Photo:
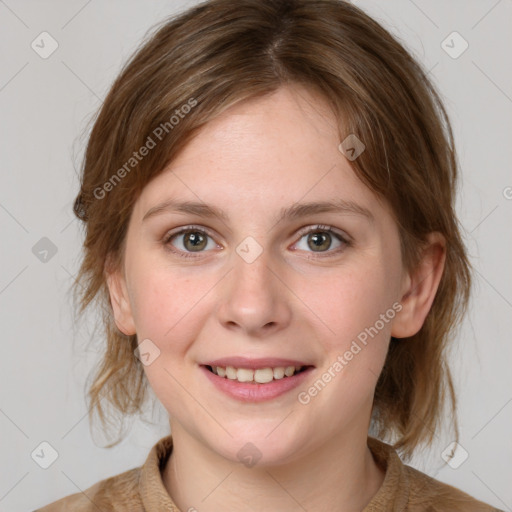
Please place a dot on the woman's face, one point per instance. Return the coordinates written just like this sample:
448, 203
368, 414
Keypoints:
256, 289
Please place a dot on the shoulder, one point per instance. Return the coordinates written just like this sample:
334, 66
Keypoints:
430, 495
410, 490
115, 494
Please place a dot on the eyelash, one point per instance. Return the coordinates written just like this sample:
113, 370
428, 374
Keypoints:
319, 228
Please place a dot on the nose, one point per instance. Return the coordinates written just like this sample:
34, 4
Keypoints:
254, 298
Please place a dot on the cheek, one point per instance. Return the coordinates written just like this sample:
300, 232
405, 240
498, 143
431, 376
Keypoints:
352, 302
160, 298
358, 309
167, 307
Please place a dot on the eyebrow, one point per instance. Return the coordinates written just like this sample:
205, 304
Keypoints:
292, 212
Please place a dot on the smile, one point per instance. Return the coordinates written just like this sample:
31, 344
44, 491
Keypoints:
257, 376
268, 379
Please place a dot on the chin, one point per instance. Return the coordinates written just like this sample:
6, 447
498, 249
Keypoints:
257, 446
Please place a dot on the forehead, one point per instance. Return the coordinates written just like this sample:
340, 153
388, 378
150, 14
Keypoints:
275, 150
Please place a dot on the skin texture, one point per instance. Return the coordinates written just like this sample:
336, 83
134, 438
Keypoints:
292, 301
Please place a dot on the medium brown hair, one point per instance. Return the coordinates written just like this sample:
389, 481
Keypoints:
222, 52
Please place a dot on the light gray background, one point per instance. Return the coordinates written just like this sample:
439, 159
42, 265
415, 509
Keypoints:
45, 105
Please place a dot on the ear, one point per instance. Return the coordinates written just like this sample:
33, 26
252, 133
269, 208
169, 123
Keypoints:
420, 287
119, 298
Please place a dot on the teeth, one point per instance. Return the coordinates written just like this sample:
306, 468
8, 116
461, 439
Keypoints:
230, 372
278, 372
260, 376
244, 375
289, 371
263, 375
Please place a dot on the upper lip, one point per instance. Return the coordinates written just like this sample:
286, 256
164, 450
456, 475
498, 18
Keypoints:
254, 364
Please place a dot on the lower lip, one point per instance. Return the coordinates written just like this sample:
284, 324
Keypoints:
249, 392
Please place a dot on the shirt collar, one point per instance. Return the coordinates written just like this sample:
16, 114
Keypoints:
153, 493
392, 495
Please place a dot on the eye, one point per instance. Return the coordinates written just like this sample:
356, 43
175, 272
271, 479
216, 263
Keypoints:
320, 238
193, 239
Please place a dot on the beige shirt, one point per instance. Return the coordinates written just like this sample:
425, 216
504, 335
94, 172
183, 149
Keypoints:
141, 489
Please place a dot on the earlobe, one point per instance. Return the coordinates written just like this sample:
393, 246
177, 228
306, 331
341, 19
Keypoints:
120, 302
420, 288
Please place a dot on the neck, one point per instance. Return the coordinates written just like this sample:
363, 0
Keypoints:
339, 474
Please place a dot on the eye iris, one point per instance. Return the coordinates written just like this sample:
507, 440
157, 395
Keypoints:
321, 238
196, 238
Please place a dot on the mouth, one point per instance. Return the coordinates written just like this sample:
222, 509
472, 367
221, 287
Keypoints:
256, 381
262, 375
249, 379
